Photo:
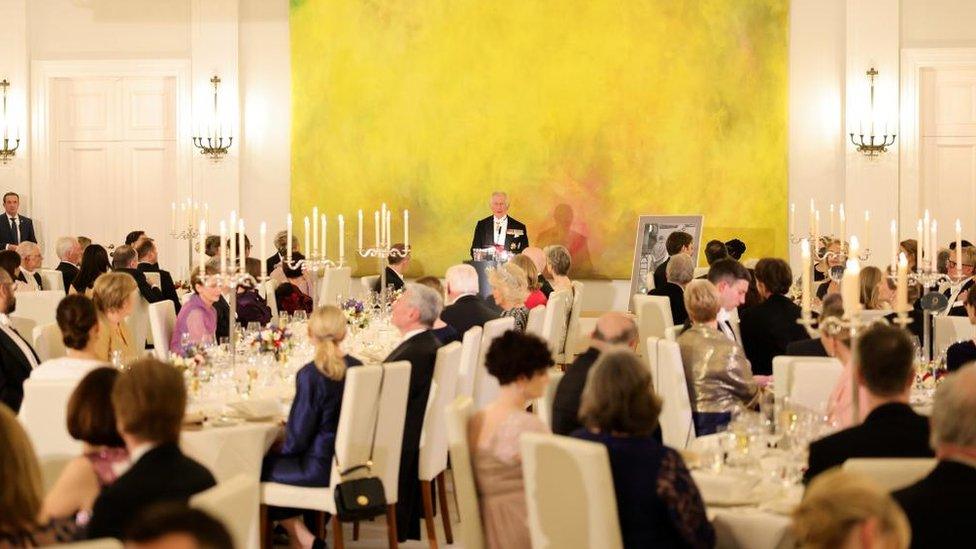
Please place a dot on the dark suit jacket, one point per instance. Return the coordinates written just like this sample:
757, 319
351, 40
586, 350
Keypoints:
566, 403
392, 280
15, 368
161, 474
467, 312
421, 351
940, 507
661, 273
676, 296
68, 273
890, 430
223, 318
26, 231
958, 310
806, 347
516, 237
151, 293
767, 328
37, 278
272, 262
545, 286
165, 282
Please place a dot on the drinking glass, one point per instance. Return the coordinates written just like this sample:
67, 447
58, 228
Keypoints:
253, 327
300, 316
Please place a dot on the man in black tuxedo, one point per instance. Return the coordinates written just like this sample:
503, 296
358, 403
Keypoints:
398, 265
149, 400
30, 262
956, 294
124, 260
148, 256
413, 315
499, 230
14, 228
466, 309
833, 306
678, 242
767, 328
611, 329
680, 272
17, 358
941, 506
69, 253
892, 429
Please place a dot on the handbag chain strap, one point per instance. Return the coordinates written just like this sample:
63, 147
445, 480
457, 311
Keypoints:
372, 443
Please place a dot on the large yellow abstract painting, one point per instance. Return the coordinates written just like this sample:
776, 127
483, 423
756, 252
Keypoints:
588, 113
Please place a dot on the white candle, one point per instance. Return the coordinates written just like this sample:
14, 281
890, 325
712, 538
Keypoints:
240, 246
307, 231
959, 247
933, 246
894, 245
384, 238
843, 223
920, 250
182, 220
223, 247
854, 250
288, 255
201, 246
233, 240
325, 234
831, 215
805, 276
360, 230
376, 227
264, 265
196, 214
850, 289
816, 230
813, 209
924, 243
389, 224
206, 213
901, 295
173, 223
342, 235
792, 218
406, 229
315, 233
867, 230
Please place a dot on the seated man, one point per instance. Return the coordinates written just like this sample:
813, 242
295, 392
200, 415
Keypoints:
30, 262
398, 266
940, 507
769, 326
17, 358
679, 242
466, 309
817, 346
125, 260
612, 329
69, 253
149, 263
149, 400
884, 357
680, 271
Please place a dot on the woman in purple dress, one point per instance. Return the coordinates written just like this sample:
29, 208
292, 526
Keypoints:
197, 321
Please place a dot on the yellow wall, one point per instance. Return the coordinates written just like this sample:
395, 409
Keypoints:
588, 112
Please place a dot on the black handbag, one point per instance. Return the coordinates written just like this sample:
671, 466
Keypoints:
362, 498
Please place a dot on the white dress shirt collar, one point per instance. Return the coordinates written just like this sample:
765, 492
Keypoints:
724, 319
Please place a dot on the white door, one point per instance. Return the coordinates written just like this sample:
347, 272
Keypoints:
114, 167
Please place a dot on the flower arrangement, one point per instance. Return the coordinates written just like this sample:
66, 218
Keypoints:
191, 358
355, 311
275, 340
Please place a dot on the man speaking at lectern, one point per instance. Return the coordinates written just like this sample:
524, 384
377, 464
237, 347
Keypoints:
499, 230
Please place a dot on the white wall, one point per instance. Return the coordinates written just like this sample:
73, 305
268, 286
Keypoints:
938, 23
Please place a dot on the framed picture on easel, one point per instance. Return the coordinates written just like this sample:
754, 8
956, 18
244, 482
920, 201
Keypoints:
649, 248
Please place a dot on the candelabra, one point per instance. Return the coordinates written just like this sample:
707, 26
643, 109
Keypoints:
314, 267
212, 144
6, 151
843, 255
873, 145
188, 233
230, 281
383, 252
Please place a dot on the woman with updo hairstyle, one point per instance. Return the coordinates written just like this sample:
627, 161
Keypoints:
841, 510
520, 362
91, 420
78, 322
114, 297
509, 288
657, 501
305, 456
94, 263
294, 292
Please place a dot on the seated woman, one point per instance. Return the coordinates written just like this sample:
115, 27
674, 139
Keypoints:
444, 333
520, 362
841, 509
657, 500
509, 288
838, 345
251, 307
877, 290
22, 521
960, 353
305, 458
558, 262
10, 261
78, 322
718, 374
94, 263
294, 293
114, 297
910, 249
830, 284
91, 420
197, 322
536, 297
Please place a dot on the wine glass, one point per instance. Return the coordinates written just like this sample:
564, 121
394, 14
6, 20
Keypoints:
300, 316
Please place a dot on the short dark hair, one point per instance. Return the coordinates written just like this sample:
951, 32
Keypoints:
885, 359
618, 396
211, 245
735, 248
9, 261
715, 250
146, 245
122, 257
775, 274
515, 355
91, 417
163, 519
965, 244
10, 193
396, 259
76, 316
131, 238
678, 240
728, 270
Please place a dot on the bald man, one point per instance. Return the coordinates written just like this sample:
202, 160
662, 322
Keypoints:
538, 257
612, 329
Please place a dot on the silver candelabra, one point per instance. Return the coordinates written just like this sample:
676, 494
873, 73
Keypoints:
190, 234
231, 280
816, 256
383, 252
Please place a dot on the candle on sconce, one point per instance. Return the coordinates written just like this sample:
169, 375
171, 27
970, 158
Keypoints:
325, 234
901, 294
182, 219
342, 235
384, 236
816, 231
924, 243
805, 297
376, 227
406, 229
264, 265
389, 225
850, 289
813, 210
288, 254
959, 246
854, 249
360, 230
201, 248
307, 235
792, 218
223, 247
233, 239
315, 234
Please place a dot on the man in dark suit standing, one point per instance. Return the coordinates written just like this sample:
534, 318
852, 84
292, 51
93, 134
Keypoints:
466, 309
149, 400
892, 429
15, 228
17, 358
148, 256
69, 253
499, 230
414, 313
767, 328
124, 260
680, 272
398, 265
678, 242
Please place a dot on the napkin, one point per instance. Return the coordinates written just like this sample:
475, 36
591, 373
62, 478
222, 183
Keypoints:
256, 409
724, 488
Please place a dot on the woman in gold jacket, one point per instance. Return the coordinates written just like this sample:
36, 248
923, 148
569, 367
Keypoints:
114, 296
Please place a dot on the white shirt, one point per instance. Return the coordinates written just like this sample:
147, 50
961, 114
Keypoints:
66, 368
21, 343
16, 219
31, 281
724, 319
499, 229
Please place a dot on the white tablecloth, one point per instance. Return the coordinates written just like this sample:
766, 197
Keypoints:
749, 528
228, 451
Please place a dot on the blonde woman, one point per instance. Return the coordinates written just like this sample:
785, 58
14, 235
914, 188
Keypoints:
509, 288
876, 291
843, 510
305, 457
22, 523
114, 296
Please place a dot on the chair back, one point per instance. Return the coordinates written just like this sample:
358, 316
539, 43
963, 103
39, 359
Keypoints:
653, 315
470, 353
892, 473
806, 380
556, 321
43, 415
543, 405
270, 286
433, 438
51, 279
569, 493
334, 284
485, 384
948, 330
368, 282
41, 307
48, 343
234, 503
162, 322
573, 336
138, 323
537, 317
458, 414
677, 427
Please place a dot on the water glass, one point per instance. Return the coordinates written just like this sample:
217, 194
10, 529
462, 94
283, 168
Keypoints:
253, 327
300, 316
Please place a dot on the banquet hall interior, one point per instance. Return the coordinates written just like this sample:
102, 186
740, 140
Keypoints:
487, 274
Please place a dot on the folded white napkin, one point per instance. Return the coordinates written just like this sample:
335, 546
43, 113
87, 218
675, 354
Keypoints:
725, 488
258, 408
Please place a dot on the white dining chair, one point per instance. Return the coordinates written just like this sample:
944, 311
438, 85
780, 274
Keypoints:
892, 473
472, 532
367, 283
138, 323
162, 322
470, 353
335, 284
537, 317
24, 327
51, 279
234, 503
51, 468
41, 306
569, 493
542, 406
556, 322
433, 440
574, 337
807, 381
48, 342
677, 425
486, 385
43, 414
949, 330
653, 316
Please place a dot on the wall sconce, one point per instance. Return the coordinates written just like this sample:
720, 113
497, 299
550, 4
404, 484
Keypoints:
872, 145
211, 140
10, 135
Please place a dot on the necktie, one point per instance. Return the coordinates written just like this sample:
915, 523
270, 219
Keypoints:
13, 231
728, 329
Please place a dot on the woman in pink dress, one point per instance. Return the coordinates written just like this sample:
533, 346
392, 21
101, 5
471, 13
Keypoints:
839, 403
